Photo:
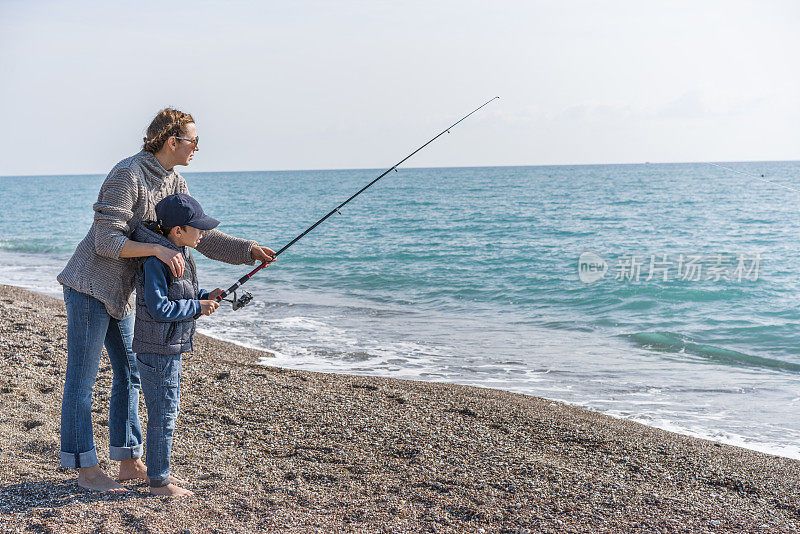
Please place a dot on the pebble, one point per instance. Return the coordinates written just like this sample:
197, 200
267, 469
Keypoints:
557, 469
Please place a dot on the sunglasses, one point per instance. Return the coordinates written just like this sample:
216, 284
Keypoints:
193, 141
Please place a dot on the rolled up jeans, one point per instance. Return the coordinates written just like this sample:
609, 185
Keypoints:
89, 328
161, 385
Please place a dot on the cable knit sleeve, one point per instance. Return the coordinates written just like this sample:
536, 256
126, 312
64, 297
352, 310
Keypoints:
218, 245
113, 212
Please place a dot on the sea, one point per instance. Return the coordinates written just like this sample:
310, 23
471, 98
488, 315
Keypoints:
667, 294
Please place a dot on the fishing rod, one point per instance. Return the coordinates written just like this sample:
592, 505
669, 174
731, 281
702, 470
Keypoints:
752, 175
240, 302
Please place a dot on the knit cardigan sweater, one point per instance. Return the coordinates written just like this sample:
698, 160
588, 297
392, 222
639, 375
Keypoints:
127, 197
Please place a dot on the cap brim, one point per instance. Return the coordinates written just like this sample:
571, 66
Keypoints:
204, 223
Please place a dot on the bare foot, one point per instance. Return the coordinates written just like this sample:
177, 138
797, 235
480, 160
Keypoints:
171, 490
132, 469
93, 478
135, 469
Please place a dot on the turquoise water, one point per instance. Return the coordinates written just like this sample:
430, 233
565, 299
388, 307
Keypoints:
470, 275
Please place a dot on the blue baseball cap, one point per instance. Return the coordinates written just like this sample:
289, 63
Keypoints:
180, 209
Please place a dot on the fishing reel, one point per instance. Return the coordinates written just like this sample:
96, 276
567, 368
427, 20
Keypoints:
240, 302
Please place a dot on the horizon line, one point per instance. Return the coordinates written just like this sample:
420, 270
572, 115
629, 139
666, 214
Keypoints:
418, 168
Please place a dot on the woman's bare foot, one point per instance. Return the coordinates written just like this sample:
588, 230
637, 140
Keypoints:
131, 469
171, 490
93, 478
135, 469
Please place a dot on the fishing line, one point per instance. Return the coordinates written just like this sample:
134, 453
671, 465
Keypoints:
247, 297
757, 177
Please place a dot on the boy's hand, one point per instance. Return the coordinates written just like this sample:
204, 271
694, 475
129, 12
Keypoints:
207, 307
214, 294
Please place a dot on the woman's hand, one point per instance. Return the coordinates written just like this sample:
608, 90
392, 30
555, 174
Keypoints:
172, 258
207, 307
262, 254
214, 294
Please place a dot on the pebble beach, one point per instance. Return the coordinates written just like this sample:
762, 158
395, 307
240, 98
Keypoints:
273, 450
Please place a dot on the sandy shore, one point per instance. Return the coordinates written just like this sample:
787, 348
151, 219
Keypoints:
274, 450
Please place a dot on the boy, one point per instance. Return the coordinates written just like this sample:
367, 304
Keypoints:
164, 327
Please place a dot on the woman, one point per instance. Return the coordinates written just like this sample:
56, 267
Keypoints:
98, 282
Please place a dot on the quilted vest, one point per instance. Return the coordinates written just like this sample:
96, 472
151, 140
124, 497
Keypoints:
160, 337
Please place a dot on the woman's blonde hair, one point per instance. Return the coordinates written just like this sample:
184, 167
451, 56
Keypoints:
167, 122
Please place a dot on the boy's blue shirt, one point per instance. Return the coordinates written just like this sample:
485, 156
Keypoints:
156, 297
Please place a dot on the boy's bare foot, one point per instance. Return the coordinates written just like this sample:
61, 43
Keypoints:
135, 469
171, 490
93, 478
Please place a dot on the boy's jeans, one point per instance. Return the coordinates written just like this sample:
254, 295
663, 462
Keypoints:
89, 327
161, 384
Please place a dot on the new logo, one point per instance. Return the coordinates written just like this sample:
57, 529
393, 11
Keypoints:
591, 267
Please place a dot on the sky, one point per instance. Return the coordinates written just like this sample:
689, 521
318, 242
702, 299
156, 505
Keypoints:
360, 84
